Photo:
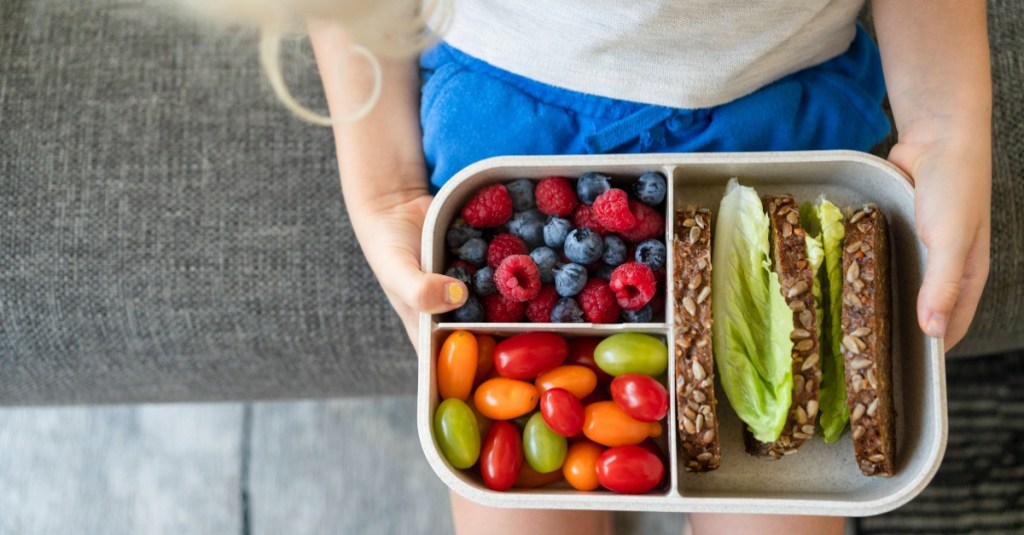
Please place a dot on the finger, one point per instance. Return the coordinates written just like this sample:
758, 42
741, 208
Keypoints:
971, 287
941, 288
423, 292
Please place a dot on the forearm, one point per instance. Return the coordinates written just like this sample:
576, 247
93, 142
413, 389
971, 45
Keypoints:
935, 55
380, 156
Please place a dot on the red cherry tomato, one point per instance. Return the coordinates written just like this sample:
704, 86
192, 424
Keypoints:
562, 412
527, 355
502, 456
629, 470
530, 478
581, 351
640, 396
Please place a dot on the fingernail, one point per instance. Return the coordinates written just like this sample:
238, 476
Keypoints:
454, 293
936, 326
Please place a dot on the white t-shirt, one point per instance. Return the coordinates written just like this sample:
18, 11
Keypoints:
681, 53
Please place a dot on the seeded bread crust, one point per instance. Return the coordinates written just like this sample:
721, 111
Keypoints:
789, 254
866, 341
695, 390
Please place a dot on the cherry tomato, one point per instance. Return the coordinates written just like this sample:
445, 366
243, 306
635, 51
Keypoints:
640, 396
456, 365
580, 380
580, 468
530, 478
600, 394
629, 470
502, 456
632, 353
527, 355
482, 422
485, 357
607, 424
581, 351
456, 433
562, 412
505, 399
544, 449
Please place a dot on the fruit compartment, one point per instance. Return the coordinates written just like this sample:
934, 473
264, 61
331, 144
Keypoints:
821, 478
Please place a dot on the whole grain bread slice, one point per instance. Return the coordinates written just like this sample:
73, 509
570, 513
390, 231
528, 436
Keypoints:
789, 255
866, 341
695, 388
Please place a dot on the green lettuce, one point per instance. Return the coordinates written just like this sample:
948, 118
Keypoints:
752, 322
826, 222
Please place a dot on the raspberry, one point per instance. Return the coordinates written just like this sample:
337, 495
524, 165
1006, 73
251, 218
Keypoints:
499, 309
649, 223
555, 196
538, 309
584, 217
598, 302
502, 246
613, 211
633, 284
518, 278
490, 207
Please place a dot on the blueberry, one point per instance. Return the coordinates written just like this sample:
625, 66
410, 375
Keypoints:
460, 273
521, 192
643, 315
483, 281
473, 251
651, 188
570, 279
604, 271
470, 311
545, 258
459, 233
583, 246
590, 185
529, 226
567, 310
555, 231
651, 252
615, 251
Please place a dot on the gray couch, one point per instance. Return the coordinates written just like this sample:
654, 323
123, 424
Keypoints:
168, 231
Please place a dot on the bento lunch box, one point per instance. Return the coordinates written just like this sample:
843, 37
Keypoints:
821, 479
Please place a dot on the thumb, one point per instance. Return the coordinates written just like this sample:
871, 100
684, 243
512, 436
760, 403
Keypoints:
940, 290
424, 292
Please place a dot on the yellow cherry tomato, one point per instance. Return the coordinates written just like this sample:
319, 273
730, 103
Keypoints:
505, 399
456, 365
579, 380
605, 423
580, 468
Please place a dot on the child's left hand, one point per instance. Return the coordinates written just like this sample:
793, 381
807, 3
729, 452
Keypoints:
953, 181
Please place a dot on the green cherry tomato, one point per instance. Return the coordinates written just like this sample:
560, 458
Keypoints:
632, 353
544, 449
457, 432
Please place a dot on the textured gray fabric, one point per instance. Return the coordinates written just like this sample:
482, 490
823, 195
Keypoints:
168, 231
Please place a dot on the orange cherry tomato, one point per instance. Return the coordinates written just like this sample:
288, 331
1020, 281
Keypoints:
505, 399
485, 357
530, 478
580, 468
456, 365
579, 380
605, 423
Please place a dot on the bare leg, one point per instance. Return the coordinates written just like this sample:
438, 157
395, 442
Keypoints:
713, 524
471, 518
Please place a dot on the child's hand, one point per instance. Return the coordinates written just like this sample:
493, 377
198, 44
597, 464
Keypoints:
953, 181
391, 240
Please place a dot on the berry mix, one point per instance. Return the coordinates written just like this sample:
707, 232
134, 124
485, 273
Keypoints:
536, 408
561, 250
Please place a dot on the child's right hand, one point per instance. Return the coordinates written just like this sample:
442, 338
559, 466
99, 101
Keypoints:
390, 234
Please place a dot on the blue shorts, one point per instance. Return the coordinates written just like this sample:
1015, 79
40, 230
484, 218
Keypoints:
471, 110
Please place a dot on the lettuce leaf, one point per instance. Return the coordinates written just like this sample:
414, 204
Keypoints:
826, 221
752, 323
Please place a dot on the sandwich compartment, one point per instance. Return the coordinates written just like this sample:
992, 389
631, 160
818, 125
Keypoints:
821, 478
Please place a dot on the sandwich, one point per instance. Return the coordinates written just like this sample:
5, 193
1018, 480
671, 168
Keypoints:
798, 327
